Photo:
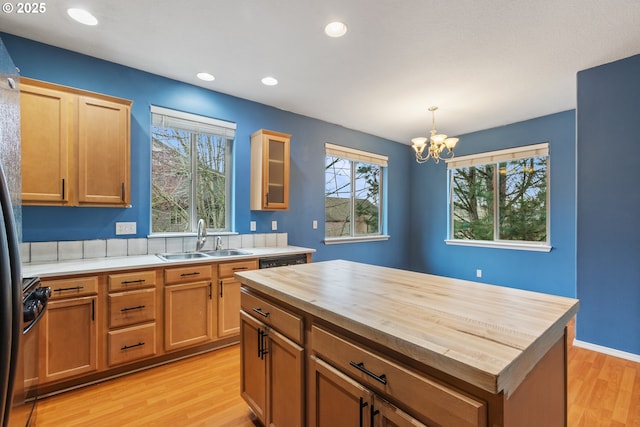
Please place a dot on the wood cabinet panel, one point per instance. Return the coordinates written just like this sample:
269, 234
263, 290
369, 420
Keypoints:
103, 152
187, 274
269, 170
75, 146
132, 280
433, 400
188, 314
46, 147
227, 269
129, 344
287, 323
68, 343
72, 287
228, 307
131, 307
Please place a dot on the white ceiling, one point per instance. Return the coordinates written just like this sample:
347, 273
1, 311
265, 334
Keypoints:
485, 63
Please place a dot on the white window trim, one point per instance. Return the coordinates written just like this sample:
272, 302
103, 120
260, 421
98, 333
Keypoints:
356, 239
499, 156
522, 246
353, 154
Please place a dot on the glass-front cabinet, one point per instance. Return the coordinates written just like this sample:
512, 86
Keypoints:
269, 170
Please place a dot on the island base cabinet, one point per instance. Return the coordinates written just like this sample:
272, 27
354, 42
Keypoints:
337, 400
272, 380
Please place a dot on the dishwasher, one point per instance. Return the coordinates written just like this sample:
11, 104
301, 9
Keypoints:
282, 260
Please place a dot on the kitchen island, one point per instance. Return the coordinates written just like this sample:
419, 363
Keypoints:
369, 344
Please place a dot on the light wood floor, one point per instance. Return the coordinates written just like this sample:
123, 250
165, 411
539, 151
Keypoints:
205, 391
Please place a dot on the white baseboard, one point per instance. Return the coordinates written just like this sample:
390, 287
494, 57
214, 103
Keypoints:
606, 350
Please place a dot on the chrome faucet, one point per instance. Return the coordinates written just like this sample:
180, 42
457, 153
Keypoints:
218, 243
201, 237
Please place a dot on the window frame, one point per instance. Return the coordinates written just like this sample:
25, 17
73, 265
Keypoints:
495, 158
226, 127
359, 156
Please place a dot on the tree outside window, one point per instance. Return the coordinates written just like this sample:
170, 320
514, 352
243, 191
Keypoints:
501, 201
352, 198
190, 173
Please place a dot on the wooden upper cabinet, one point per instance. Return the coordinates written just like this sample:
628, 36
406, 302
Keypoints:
75, 146
269, 170
103, 152
46, 117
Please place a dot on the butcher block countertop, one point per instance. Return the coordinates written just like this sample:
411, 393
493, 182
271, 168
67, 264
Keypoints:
489, 336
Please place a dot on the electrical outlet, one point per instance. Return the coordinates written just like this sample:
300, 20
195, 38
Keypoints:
125, 228
252, 226
314, 225
274, 225
478, 273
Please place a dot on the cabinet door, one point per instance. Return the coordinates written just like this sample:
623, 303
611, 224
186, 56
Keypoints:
69, 340
337, 400
253, 368
228, 307
188, 314
387, 415
103, 152
276, 177
45, 118
285, 382
269, 170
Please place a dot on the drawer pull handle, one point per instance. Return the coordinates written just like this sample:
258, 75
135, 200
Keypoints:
125, 309
129, 282
240, 268
260, 312
75, 288
360, 366
127, 347
195, 273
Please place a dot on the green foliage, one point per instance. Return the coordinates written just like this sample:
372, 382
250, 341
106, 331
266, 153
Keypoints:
521, 191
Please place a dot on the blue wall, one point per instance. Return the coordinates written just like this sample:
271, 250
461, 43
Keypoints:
44, 62
608, 255
551, 272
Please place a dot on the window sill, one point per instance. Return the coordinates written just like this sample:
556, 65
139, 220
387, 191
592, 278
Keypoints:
520, 246
210, 232
350, 239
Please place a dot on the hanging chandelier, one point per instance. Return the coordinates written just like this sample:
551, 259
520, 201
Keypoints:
437, 144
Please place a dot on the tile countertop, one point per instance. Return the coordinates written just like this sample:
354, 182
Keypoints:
97, 265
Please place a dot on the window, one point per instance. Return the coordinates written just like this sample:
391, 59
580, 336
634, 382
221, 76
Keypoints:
190, 171
501, 198
353, 194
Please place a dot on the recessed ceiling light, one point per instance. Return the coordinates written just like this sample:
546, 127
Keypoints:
335, 29
269, 81
206, 77
82, 16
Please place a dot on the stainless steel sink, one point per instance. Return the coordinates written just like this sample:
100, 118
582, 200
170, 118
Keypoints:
226, 252
182, 256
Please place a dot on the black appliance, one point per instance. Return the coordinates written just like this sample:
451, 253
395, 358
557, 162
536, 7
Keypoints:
279, 261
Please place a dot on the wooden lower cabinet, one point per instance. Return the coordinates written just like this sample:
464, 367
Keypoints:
69, 344
188, 314
340, 401
229, 296
272, 380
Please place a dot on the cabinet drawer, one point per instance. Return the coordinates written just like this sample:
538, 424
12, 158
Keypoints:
193, 273
75, 287
126, 345
128, 308
226, 269
133, 280
436, 402
284, 322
